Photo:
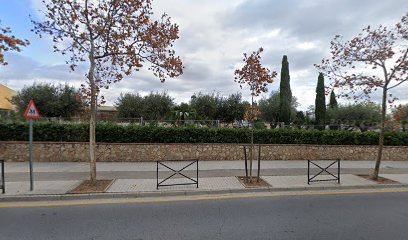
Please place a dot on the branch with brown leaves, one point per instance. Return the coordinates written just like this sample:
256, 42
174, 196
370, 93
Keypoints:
254, 74
121, 36
9, 42
376, 58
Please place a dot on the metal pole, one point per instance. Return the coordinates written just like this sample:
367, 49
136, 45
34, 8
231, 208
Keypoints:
246, 164
30, 154
2, 177
338, 170
197, 173
251, 151
259, 163
157, 174
308, 171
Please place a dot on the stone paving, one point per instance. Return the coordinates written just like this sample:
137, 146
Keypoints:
301, 181
205, 184
149, 185
294, 177
203, 165
402, 178
40, 187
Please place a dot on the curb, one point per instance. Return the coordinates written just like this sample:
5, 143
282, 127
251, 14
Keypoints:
120, 195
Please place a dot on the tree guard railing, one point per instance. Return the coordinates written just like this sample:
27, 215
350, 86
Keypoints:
3, 183
166, 164
333, 177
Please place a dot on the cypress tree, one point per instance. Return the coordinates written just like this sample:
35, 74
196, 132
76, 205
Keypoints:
333, 101
285, 92
320, 102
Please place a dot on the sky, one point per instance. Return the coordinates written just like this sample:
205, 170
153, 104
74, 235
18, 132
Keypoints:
214, 34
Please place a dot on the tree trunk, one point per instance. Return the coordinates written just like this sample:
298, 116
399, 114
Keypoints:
92, 137
381, 138
251, 151
251, 157
91, 78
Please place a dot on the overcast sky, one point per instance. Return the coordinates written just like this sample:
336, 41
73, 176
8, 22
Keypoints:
213, 36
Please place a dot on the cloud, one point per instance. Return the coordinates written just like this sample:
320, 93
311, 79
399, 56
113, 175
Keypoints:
314, 19
24, 71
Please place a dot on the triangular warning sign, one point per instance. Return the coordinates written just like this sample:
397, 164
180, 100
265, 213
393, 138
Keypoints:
31, 111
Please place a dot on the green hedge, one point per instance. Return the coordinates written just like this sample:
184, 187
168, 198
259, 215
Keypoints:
134, 134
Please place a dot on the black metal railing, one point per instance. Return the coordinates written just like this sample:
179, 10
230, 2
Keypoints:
166, 163
3, 183
332, 177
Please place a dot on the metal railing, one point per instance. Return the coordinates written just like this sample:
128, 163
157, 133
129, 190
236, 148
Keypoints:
332, 176
191, 181
3, 183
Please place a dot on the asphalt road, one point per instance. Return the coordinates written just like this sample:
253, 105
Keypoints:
352, 216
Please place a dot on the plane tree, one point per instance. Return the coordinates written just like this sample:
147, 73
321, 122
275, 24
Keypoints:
376, 59
257, 77
8, 42
115, 39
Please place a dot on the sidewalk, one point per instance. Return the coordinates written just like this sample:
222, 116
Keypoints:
137, 179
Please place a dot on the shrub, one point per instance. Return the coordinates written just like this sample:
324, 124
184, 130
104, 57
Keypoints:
111, 133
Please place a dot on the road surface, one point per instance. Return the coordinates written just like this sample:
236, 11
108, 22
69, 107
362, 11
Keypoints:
321, 216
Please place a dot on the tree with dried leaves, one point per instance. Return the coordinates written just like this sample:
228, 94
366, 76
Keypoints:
115, 38
400, 115
375, 59
257, 78
9, 42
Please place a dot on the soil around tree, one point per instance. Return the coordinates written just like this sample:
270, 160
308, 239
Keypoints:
100, 186
254, 183
381, 180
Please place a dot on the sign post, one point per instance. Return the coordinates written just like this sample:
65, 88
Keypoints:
30, 154
31, 113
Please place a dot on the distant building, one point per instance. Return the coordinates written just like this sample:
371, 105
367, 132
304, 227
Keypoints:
107, 113
5, 96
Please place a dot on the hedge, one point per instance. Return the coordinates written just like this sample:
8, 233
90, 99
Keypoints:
111, 133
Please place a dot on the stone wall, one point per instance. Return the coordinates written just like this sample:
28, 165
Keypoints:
110, 152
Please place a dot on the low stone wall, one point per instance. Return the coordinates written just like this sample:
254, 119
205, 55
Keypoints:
134, 152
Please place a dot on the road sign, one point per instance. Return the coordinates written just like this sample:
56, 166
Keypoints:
31, 111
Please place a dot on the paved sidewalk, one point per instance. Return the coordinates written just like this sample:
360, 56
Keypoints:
15, 167
16, 172
137, 179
